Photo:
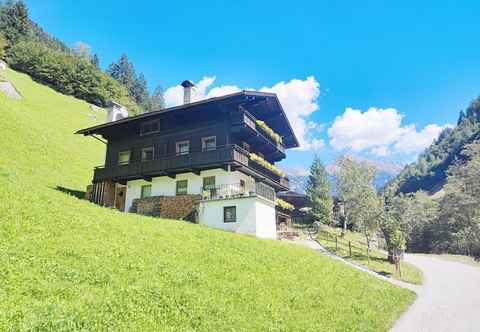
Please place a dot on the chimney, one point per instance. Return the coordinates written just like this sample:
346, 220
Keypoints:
187, 91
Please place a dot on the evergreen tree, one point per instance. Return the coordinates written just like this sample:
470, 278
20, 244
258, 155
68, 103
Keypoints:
140, 91
123, 71
14, 22
319, 191
157, 101
95, 61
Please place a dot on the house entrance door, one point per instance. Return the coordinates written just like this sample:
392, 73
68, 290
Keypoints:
120, 193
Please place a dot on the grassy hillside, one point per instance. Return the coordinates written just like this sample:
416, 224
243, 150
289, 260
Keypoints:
67, 264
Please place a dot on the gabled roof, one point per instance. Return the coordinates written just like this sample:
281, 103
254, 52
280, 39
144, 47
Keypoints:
237, 97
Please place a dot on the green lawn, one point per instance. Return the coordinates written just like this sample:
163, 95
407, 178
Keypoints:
68, 265
378, 260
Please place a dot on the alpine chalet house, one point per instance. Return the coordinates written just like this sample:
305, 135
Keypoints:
212, 161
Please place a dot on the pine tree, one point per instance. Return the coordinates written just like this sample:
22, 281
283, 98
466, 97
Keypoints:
123, 71
95, 61
157, 101
319, 192
14, 22
140, 91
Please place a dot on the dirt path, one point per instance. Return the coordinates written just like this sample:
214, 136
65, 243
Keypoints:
449, 299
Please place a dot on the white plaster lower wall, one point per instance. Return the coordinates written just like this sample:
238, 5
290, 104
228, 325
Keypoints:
255, 216
265, 219
166, 186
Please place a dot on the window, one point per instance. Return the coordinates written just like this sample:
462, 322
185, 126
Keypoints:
148, 153
150, 127
209, 143
229, 214
146, 191
182, 187
123, 157
183, 147
209, 182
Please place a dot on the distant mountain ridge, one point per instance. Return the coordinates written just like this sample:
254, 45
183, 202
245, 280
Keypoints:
385, 172
429, 172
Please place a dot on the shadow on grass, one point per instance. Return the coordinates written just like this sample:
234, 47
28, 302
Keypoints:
72, 192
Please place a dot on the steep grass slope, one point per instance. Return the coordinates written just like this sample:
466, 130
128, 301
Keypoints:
66, 264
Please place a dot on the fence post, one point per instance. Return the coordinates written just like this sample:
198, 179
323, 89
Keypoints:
336, 243
350, 248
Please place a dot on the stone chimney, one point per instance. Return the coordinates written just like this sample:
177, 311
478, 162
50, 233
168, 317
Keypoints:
187, 91
116, 112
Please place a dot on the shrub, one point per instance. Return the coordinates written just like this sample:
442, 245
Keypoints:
68, 74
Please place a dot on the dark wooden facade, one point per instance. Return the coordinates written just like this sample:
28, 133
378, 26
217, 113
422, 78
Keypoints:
230, 119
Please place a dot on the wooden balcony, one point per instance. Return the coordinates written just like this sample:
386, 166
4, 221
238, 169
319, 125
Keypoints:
171, 165
244, 126
194, 161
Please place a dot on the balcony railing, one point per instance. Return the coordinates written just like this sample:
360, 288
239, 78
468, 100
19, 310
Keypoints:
249, 121
195, 160
238, 190
172, 163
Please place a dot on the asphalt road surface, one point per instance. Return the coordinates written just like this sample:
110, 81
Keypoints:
448, 300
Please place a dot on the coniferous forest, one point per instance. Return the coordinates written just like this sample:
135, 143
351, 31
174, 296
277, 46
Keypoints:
74, 71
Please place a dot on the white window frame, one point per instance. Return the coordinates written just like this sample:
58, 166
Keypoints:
142, 192
209, 187
177, 147
225, 215
152, 148
176, 187
129, 156
204, 146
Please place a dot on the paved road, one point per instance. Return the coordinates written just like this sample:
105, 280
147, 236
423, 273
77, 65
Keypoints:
449, 299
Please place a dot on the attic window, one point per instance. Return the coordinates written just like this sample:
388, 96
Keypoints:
150, 127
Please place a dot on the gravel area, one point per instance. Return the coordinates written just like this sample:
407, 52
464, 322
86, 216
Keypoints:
448, 300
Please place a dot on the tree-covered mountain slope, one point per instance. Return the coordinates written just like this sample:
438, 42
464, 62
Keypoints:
430, 171
69, 265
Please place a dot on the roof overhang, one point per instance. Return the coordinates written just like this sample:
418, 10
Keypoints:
260, 100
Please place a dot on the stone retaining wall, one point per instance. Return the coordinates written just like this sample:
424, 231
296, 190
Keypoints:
182, 207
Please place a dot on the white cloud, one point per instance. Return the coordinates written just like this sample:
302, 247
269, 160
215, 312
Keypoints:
380, 131
298, 99
316, 144
359, 131
381, 151
413, 141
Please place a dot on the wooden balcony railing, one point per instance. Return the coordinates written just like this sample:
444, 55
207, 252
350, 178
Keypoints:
249, 121
193, 161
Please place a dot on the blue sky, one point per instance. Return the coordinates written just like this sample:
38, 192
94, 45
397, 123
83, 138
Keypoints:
416, 64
